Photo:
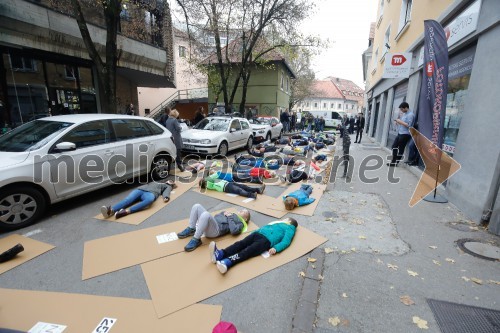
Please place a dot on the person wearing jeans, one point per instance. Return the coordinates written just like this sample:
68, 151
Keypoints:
404, 122
231, 187
139, 199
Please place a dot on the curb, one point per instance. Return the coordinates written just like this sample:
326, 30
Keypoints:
305, 313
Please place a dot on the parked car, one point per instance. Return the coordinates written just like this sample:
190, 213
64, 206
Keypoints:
276, 126
261, 130
55, 158
217, 135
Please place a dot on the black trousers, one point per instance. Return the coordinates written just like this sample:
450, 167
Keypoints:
359, 132
241, 177
250, 246
398, 147
241, 189
296, 176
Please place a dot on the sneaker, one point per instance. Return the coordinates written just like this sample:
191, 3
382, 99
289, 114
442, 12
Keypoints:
192, 245
215, 253
262, 188
11, 253
106, 211
186, 233
121, 213
224, 265
253, 195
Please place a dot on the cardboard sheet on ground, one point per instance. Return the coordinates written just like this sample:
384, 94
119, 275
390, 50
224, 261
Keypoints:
109, 254
32, 249
260, 204
308, 210
22, 309
139, 217
196, 278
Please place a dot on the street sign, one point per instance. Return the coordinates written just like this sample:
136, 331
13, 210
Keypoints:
397, 65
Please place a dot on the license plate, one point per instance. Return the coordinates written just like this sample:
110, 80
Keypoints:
189, 146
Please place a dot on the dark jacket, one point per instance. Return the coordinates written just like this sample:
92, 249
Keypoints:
157, 188
360, 122
174, 127
163, 119
229, 224
279, 234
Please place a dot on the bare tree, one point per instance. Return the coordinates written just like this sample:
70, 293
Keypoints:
302, 85
257, 26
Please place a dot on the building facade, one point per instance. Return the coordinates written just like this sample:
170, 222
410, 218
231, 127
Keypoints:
331, 96
471, 134
45, 67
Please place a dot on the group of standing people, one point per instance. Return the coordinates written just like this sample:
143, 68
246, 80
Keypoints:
289, 120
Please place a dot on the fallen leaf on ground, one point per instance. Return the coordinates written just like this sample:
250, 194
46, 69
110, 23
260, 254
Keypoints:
412, 273
378, 218
337, 232
474, 228
433, 247
361, 237
329, 219
394, 267
328, 250
406, 300
302, 274
334, 321
494, 282
312, 259
420, 323
436, 262
321, 277
450, 260
465, 278
353, 249
344, 295
391, 287
477, 281
379, 261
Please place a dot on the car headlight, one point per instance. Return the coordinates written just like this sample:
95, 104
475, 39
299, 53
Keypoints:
205, 141
260, 131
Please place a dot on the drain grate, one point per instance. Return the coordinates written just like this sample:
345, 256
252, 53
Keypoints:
459, 318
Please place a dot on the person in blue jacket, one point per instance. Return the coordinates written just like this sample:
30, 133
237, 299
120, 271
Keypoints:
273, 237
299, 197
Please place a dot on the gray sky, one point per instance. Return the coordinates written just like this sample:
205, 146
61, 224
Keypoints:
347, 22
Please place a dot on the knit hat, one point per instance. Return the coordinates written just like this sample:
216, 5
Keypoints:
224, 327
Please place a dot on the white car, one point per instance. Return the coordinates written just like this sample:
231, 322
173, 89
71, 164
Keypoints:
217, 135
55, 158
276, 126
262, 131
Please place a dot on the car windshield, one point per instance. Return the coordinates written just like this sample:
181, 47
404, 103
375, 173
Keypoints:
213, 124
265, 120
256, 121
32, 135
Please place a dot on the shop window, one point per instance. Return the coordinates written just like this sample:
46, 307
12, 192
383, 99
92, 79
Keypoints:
23, 64
71, 72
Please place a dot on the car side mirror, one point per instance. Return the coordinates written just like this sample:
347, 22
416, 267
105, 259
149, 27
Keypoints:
64, 146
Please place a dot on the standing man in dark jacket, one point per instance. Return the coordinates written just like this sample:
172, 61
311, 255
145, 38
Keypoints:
164, 116
202, 222
360, 123
174, 127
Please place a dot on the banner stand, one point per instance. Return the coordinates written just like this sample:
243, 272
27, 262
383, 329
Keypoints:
434, 197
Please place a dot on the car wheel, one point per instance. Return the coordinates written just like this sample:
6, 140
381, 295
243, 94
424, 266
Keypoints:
249, 143
20, 207
222, 149
160, 168
268, 137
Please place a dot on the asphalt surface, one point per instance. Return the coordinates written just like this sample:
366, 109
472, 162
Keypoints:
369, 227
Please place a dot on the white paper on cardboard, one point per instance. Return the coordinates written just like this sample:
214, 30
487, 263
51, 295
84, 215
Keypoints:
265, 254
231, 194
171, 236
248, 200
105, 325
42, 327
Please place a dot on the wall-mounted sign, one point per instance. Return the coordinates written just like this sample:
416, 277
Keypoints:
463, 24
397, 65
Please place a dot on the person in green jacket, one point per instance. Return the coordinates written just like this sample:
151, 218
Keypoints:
273, 237
221, 185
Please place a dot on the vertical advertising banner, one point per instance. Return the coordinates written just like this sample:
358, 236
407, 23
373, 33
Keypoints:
433, 93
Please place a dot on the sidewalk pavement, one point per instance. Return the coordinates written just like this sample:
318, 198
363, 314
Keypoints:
380, 250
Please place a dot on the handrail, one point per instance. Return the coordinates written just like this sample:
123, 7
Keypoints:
176, 96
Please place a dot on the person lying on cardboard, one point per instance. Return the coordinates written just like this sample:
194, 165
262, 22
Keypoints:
202, 222
243, 176
260, 149
200, 165
141, 198
298, 198
249, 161
273, 237
221, 185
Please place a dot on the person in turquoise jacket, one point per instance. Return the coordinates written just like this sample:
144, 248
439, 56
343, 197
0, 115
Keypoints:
273, 237
299, 197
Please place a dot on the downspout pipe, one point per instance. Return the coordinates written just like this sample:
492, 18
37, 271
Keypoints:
492, 196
